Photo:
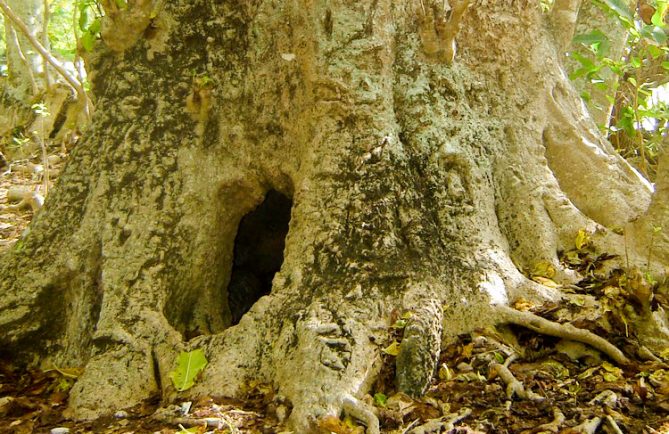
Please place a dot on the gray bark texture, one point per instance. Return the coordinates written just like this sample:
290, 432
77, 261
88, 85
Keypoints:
419, 183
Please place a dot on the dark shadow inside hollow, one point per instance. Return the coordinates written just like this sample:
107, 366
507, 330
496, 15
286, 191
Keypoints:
258, 252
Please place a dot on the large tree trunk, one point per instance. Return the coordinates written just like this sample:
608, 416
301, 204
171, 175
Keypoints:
417, 184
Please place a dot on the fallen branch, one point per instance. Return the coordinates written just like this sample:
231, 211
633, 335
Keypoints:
565, 331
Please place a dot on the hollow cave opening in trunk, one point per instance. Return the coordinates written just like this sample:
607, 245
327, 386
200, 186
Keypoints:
258, 252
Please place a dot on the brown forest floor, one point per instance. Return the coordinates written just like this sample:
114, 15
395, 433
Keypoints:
573, 384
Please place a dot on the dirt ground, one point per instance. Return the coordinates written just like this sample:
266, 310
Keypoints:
556, 386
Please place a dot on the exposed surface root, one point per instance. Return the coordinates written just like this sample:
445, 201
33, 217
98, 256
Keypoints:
513, 386
587, 427
442, 424
420, 347
359, 410
552, 426
565, 331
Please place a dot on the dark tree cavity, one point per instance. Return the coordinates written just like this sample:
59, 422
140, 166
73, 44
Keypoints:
258, 252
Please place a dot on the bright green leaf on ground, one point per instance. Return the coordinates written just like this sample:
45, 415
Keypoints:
380, 399
582, 239
189, 365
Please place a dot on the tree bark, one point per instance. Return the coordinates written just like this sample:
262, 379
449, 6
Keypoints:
416, 185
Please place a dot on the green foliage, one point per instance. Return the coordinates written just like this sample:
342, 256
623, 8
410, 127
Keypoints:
380, 399
40, 109
189, 365
641, 118
61, 36
89, 22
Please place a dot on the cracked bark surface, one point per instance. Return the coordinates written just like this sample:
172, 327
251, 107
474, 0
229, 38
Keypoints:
416, 186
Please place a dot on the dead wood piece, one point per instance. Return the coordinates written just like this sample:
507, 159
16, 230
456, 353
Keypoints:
566, 331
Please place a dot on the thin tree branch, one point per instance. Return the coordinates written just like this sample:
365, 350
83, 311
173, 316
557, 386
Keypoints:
45, 41
19, 52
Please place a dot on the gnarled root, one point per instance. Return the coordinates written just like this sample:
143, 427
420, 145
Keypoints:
419, 351
513, 386
565, 331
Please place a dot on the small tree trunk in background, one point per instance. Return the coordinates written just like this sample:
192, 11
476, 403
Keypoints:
571, 18
24, 64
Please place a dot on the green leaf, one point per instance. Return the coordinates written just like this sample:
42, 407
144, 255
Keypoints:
83, 19
189, 365
596, 40
620, 8
658, 35
659, 13
665, 65
380, 399
399, 324
655, 51
88, 41
95, 26
122, 4
393, 349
